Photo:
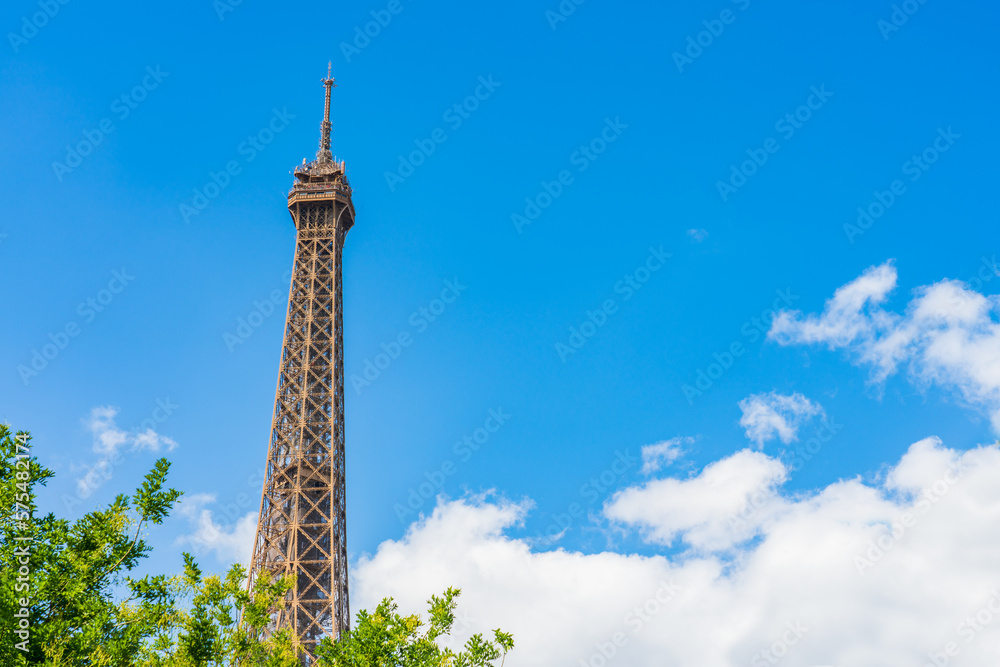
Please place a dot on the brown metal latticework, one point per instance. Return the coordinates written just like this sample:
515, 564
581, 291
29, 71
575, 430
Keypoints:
302, 526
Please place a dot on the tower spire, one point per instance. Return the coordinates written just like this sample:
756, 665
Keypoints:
324, 154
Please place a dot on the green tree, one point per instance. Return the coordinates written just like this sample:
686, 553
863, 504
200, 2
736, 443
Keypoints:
84, 609
386, 638
207, 631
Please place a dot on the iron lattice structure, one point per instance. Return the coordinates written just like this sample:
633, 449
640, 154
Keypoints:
302, 525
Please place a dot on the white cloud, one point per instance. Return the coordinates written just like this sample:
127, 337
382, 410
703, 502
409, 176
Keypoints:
662, 454
109, 439
908, 600
110, 442
774, 415
703, 508
948, 335
843, 319
230, 542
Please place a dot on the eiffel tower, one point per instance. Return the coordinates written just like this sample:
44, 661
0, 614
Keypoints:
302, 525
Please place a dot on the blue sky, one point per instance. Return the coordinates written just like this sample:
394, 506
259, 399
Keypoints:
878, 98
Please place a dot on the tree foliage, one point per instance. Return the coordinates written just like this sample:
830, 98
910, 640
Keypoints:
386, 638
84, 606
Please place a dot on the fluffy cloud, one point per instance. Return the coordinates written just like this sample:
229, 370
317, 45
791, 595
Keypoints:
110, 441
697, 235
895, 571
704, 509
883, 573
948, 334
774, 415
662, 454
229, 542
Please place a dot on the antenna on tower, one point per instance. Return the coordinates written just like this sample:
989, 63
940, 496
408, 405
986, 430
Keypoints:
324, 154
